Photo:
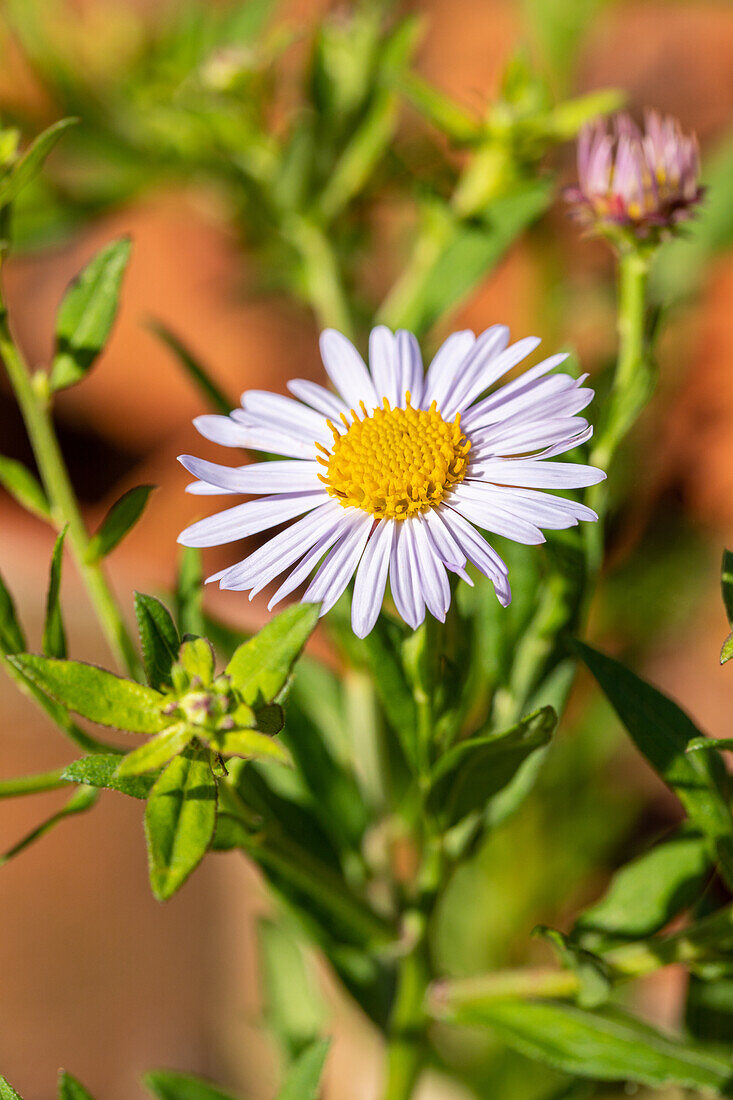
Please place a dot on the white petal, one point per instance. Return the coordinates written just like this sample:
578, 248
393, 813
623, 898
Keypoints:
569, 445
371, 579
493, 366
259, 477
285, 415
250, 518
403, 582
536, 474
482, 554
307, 563
257, 437
337, 570
409, 368
500, 405
477, 365
203, 489
471, 502
444, 368
318, 397
430, 571
279, 552
523, 436
383, 364
221, 429
346, 369
542, 509
443, 540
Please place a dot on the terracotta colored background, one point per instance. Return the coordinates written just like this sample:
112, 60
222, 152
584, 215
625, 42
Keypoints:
94, 975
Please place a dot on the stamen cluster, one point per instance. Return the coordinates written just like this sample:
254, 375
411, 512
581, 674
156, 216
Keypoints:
396, 462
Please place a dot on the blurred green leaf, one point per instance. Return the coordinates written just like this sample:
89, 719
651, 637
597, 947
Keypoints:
71, 1089
304, 1076
726, 651
80, 801
565, 121
24, 487
607, 1044
12, 638
179, 821
7, 1092
32, 161
250, 745
709, 1005
188, 598
439, 109
121, 518
94, 693
367, 146
294, 1009
54, 635
662, 732
726, 581
158, 637
260, 668
180, 1086
214, 396
559, 26
156, 752
100, 770
719, 743
469, 774
647, 893
86, 314
196, 658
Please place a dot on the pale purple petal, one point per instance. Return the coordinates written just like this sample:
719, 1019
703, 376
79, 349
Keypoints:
409, 368
402, 581
475, 367
250, 518
318, 397
203, 489
337, 570
383, 364
285, 415
221, 429
481, 553
430, 571
346, 369
445, 367
307, 564
258, 477
476, 506
535, 474
371, 579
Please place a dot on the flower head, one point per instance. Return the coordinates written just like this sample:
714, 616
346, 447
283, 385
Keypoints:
642, 180
390, 476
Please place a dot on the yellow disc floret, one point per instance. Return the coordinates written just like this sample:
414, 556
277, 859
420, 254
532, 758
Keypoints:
395, 463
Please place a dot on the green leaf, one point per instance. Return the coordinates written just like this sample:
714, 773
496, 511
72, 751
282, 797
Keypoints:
24, 487
12, 638
439, 109
473, 771
100, 770
250, 744
158, 637
260, 668
156, 752
94, 693
304, 1076
179, 821
662, 732
71, 1089
726, 651
7, 1092
121, 518
647, 893
196, 657
87, 313
709, 1005
726, 583
189, 592
54, 636
293, 1009
80, 801
32, 161
607, 1044
199, 375
180, 1086
722, 744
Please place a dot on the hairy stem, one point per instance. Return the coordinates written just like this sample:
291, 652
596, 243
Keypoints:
64, 507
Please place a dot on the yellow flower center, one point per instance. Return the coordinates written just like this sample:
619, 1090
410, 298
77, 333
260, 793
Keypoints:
395, 463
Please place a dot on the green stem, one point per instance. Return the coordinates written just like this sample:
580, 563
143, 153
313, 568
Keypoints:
32, 784
406, 1041
323, 283
65, 510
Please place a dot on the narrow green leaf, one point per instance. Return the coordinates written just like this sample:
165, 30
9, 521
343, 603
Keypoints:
199, 375
158, 637
87, 313
367, 146
32, 161
24, 487
7, 1092
647, 893
71, 1089
260, 668
100, 770
662, 732
607, 1044
473, 771
726, 583
441, 110
304, 1076
250, 744
156, 752
719, 743
121, 518
80, 801
12, 638
294, 1009
179, 822
94, 693
726, 651
189, 592
53, 642
180, 1086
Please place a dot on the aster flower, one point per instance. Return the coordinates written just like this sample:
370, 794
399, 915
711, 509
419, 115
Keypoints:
391, 475
643, 180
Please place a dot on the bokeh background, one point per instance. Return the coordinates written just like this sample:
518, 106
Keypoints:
94, 975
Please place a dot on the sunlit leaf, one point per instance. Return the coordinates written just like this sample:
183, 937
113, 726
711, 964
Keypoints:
12, 638
304, 1076
261, 666
7, 1092
32, 160
156, 752
180, 1086
100, 770
121, 518
71, 1089
24, 487
158, 637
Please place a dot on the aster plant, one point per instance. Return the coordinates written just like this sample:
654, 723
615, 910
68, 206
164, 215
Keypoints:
399, 505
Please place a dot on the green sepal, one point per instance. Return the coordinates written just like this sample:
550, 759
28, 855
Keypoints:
86, 314
100, 770
156, 752
53, 641
196, 658
260, 668
158, 638
180, 817
94, 693
121, 518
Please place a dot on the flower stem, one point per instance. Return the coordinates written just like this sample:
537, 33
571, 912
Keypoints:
406, 1041
32, 784
34, 407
